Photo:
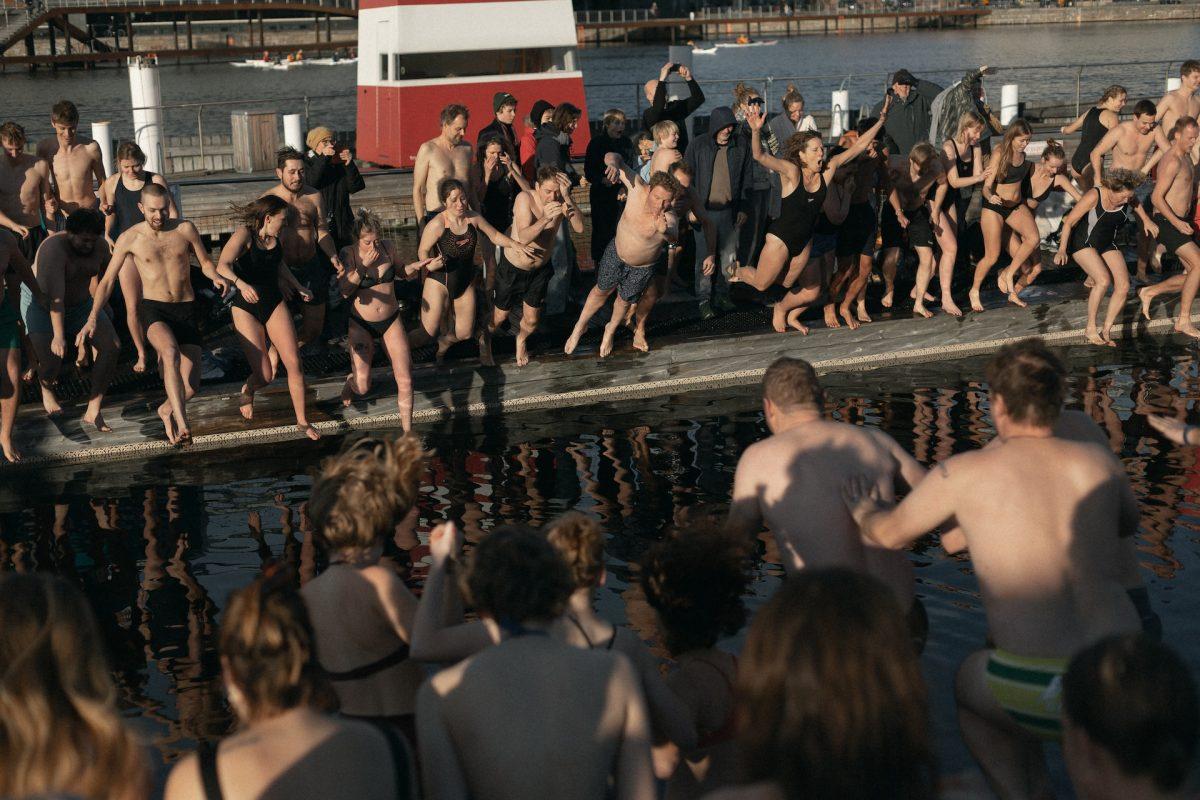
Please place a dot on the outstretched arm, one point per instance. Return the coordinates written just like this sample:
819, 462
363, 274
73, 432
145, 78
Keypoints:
1076, 125
436, 637
930, 504
862, 143
201, 252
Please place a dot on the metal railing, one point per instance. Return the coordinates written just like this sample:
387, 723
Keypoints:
841, 8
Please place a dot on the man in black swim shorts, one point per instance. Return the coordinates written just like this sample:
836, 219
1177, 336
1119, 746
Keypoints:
160, 248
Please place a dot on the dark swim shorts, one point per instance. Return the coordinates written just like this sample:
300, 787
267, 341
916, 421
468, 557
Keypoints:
629, 281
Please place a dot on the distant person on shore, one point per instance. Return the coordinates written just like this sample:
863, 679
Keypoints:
607, 197
330, 169
1173, 199
909, 114
531, 716
76, 165
161, 249
1063, 594
1095, 123
287, 743
541, 113
119, 198
504, 106
252, 262
865, 733
12, 263
1131, 718
675, 110
26, 197
447, 156
61, 733
66, 264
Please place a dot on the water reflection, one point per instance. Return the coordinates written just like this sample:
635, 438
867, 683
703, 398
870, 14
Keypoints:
157, 547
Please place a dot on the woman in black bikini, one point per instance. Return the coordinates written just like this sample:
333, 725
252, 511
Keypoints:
1048, 175
373, 266
448, 296
252, 260
805, 175
1004, 195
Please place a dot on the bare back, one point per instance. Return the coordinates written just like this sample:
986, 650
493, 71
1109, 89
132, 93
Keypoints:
641, 234
24, 184
162, 259
75, 168
77, 270
1180, 192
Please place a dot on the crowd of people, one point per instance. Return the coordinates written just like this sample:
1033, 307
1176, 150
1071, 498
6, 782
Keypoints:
91, 260
502, 681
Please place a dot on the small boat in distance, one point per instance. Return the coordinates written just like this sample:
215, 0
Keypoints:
746, 43
704, 51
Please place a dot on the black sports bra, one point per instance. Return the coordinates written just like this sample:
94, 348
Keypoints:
1017, 174
367, 670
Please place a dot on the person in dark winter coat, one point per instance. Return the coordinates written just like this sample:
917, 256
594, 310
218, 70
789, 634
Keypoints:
606, 207
911, 112
504, 105
330, 169
676, 110
554, 150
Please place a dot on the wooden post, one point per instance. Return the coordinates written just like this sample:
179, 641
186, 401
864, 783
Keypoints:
187, 19
250, 22
53, 45
262, 31
69, 38
317, 29
129, 28
175, 33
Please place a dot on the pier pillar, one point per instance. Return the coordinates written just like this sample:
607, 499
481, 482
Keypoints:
103, 137
146, 101
840, 118
293, 132
1009, 103
1172, 84
188, 24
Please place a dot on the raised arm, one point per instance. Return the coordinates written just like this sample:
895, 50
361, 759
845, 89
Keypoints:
755, 121
497, 238
435, 636
862, 143
526, 227
172, 209
695, 94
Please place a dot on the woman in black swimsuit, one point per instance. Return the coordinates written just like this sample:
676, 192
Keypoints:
448, 296
805, 174
963, 158
1004, 194
1095, 122
1087, 236
252, 260
1048, 175
373, 266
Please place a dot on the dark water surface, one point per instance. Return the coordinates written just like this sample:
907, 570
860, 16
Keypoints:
158, 546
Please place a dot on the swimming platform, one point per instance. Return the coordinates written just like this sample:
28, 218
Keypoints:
698, 358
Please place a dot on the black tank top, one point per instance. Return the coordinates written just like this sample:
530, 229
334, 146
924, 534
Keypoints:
1017, 174
458, 248
800, 210
1092, 132
965, 168
259, 266
125, 205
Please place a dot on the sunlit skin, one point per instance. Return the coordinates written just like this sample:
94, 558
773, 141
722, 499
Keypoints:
454, 131
1020, 220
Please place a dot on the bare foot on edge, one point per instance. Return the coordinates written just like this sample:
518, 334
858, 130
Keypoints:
851, 322
1106, 335
779, 318
11, 454
639, 341
98, 423
1094, 337
1188, 329
793, 321
1004, 282
522, 353
168, 424
606, 343
912, 295
886, 300
139, 366
920, 308
976, 303
50, 403
861, 312
572, 342
347, 393
1144, 295
831, 320
184, 431
1015, 299
950, 307
309, 431
246, 402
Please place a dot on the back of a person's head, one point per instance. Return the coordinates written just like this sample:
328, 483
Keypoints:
1136, 700
269, 651
580, 542
60, 732
694, 580
831, 697
792, 383
363, 492
515, 576
1031, 380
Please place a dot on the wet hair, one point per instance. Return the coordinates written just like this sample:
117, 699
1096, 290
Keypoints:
1188, 67
253, 215
84, 221
152, 189
831, 693
1122, 180
796, 143
695, 580
64, 112
285, 154
1053, 149
665, 180
453, 112
516, 576
792, 95
270, 650
580, 542
660, 130
564, 115
968, 120
791, 382
681, 167
1002, 159
1030, 379
1136, 699
742, 93
14, 133
614, 115
60, 730
546, 172
365, 221
926, 158
447, 186
363, 491
1116, 90
129, 151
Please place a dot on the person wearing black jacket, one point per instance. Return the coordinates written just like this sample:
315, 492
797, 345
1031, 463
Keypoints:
676, 110
330, 169
554, 150
911, 112
505, 107
606, 207
721, 162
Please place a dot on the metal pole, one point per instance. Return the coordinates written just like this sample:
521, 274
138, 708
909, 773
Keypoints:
1078, 77
200, 132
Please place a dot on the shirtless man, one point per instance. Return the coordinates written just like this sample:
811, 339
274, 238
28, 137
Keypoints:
537, 215
14, 271
791, 481
77, 167
25, 193
447, 156
65, 265
1173, 200
304, 238
496, 727
1182, 102
1046, 521
159, 248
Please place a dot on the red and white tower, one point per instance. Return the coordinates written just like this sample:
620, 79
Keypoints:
417, 56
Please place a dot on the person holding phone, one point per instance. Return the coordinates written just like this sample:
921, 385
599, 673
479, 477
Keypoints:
675, 110
331, 171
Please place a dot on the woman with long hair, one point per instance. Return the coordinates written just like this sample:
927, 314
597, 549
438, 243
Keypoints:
913, 215
1088, 234
963, 157
497, 182
805, 176
373, 265
1048, 175
830, 696
1004, 195
288, 743
252, 260
60, 731
1095, 122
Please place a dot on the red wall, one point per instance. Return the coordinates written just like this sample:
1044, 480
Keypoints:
394, 121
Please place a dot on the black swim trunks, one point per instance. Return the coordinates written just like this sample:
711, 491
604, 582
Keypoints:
629, 281
1169, 236
314, 276
515, 285
30, 244
856, 236
178, 317
919, 232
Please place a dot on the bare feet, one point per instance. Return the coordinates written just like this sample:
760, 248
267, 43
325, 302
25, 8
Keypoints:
779, 318
246, 402
139, 366
861, 312
912, 295
98, 423
308, 430
851, 322
886, 300
573, 341
793, 321
522, 353
1004, 281
1094, 337
1145, 296
347, 392
11, 454
831, 320
950, 307
1016, 300
1187, 329
164, 413
606, 344
639, 341
1106, 335
976, 303
919, 308
50, 402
